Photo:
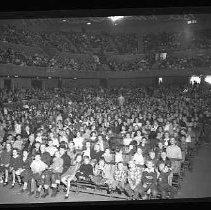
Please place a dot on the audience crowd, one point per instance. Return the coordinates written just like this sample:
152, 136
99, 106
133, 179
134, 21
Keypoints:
171, 41
130, 139
182, 63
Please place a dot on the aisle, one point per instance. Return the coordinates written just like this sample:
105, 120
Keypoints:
197, 184
8, 196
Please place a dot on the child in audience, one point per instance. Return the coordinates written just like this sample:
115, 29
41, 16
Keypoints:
120, 176
15, 166
56, 170
25, 170
163, 187
5, 161
71, 172
85, 171
37, 167
149, 180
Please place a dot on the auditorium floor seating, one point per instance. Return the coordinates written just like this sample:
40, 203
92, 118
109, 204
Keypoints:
196, 184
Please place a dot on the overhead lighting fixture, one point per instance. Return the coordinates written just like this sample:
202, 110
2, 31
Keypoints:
115, 18
88, 23
64, 20
191, 21
16, 76
207, 79
49, 77
74, 78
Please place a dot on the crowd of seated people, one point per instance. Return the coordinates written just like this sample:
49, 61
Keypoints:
181, 63
20, 95
133, 140
10, 56
136, 64
126, 43
200, 39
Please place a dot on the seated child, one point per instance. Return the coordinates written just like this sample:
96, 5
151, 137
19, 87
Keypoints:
56, 170
69, 175
108, 157
99, 173
163, 187
5, 162
118, 156
149, 179
120, 176
85, 171
25, 171
134, 186
15, 166
37, 167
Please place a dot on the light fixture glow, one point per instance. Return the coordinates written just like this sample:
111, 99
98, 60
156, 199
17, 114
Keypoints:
64, 20
195, 79
207, 79
160, 80
89, 23
115, 18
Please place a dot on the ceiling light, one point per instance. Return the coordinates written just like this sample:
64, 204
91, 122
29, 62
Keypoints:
89, 23
115, 18
64, 20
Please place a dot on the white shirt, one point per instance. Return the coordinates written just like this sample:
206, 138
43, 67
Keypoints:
188, 139
38, 166
51, 150
38, 139
18, 128
64, 138
139, 159
86, 153
118, 158
126, 141
174, 151
78, 141
55, 142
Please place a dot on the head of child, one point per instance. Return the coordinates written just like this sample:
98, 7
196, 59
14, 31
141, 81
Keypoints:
31, 138
163, 155
144, 141
18, 137
78, 158
160, 145
120, 166
37, 157
57, 154
183, 139
15, 153
107, 151
161, 167
101, 162
78, 135
42, 148
8, 147
139, 151
173, 141
152, 154
71, 145
149, 164
86, 160
37, 145
62, 150
25, 153
50, 142
97, 147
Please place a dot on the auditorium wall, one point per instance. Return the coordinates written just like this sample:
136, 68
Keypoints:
68, 83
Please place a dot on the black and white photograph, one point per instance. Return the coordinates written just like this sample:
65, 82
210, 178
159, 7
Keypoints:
105, 108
